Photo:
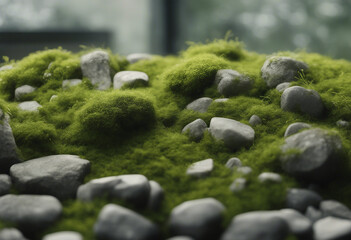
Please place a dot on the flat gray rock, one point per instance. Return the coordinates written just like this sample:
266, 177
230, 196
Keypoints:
233, 162
200, 105
8, 154
195, 130
282, 86
70, 83
130, 78
200, 219
335, 209
245, 170
300, 199
119, 223
30, 106
314, 155
96, 67
30, 211
221, 100
156, 195
132, 188
331, 228
56, 175
238, 185
11, 234
64, 235
6, 67
234, 134
301, 100
5, 184
21, 91
232, 83
255, 120
200, 169
276, 70
342, 124
295, 128
269, 177
136, 57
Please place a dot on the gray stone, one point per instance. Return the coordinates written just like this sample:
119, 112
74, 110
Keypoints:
233, 162
8, 154
180, 238
200, 219
221, 100
245, 170
5, 184
295, 128
130, 78
276, 70
335, 209
6, 67
238, 185
30, 211
30, 106
56, 175
136, 57
11, 234
269, 177
200, 105
53, 97
301, 100
200, 169
342, 124
232, 83
299, 225
313, 214
234, 134
96, 67
64, 235
156, 195
132, 188
119, 223
70, 83
282, 86
195, 130
301, 199
255, 120
331, 228
314, 155
21, 91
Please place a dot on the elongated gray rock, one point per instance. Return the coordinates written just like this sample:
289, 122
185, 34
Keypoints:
331, 228
56, 175
119, 223
20, 92
156, 195
70, 83
231, 83
6, 67
200, 219
8, 154
276, 70
233, 162
30, 106
245, 170
301, 100
30, 211
132, 188
234, 134
64, 235
313, 155
130, 79
301, 199
201, 168
11, 234
96, 67
269, 177
295, 127
5, 184
342, 124
136, 57
335, 209
195, 130
221, 100
200, 105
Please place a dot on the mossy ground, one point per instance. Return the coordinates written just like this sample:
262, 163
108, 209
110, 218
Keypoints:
157, 149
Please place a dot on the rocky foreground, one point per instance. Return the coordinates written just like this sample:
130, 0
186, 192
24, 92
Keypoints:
217, 143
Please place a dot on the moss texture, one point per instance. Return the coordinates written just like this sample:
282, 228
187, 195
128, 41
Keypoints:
143, 125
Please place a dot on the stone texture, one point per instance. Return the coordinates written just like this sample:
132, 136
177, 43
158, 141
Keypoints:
234, 134
232, 83
255, 120
342, 124
200, 169
156, 195
96, 67
233, 162
331, 228
313, 155
313, 214
200, 219
136, 57
119, 223
11, 234
269, 177
335, 209
132, 188
8, 154
21, 91
276, 70
245, 170
30, 106
301, 199
295, 128
64, 235
200, 105
301, 100
130, 78
70, 83
238, 185
56, 175
195, 130
282, 86
5, 184
30, 211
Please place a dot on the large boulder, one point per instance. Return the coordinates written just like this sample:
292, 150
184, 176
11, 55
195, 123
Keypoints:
130, 79
21, 91
156, 195
335, 209
119, 223
56, 175
5, 184
232, 83
195, 130
200, 105
11, 234
64, 235
301, 100
331, 228
301, 199
132, 188
313, 155
234, 134
29, 106
30, 211
276, 70
96, 67
200, 219
201, 168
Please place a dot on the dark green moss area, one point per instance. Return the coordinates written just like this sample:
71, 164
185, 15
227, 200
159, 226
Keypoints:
139, 130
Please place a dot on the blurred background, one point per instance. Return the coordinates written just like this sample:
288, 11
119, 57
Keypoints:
164, 26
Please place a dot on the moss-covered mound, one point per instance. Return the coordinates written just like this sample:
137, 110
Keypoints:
138, 131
